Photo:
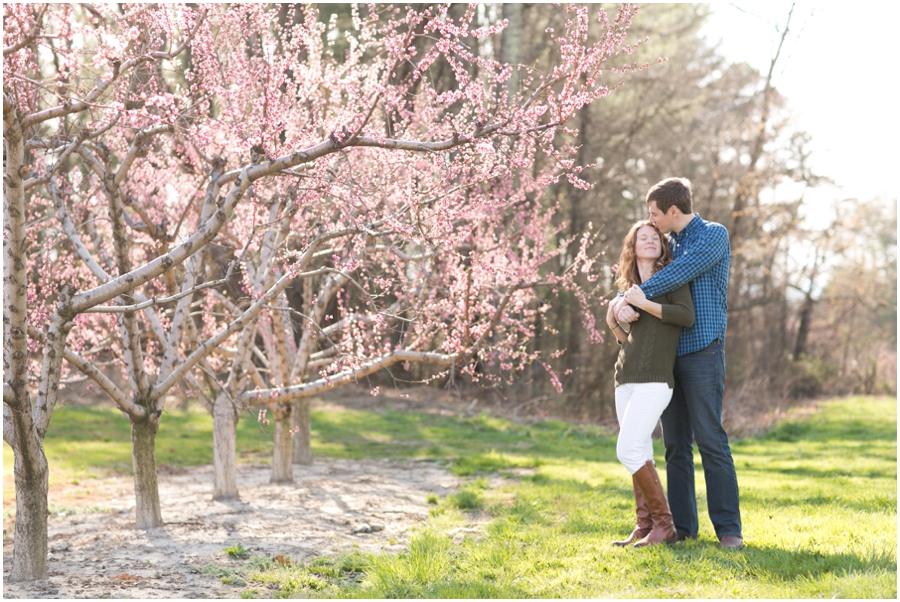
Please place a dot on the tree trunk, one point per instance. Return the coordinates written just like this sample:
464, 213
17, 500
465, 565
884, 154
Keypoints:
224, 449
282, 468
303, 435
511, 45
803, 329
143, 456
30, 469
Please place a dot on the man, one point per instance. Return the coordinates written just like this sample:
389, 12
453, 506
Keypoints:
702, 256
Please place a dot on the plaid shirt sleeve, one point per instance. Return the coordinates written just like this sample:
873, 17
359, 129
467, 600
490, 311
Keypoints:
703, 255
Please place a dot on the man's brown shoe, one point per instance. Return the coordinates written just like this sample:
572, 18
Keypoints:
731, 542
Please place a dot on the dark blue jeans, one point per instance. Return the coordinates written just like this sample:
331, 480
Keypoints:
695, 413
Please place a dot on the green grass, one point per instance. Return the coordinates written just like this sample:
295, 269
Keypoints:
818, 498
95, 442
237, 551
818, 495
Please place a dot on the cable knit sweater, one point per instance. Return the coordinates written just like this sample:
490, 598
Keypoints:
648, 354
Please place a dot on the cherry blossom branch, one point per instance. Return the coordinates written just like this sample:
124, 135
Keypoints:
281, 394
264, 396
113, 309
127, 282
205, 232
498, 313
30, 36
128, 325
94, 373
172, 54
32, 182
332, 145
243, 321
62, 213
51, 363
309, 337
82, 251
195, 265
387, 76
76, 106
137, 147
390, 312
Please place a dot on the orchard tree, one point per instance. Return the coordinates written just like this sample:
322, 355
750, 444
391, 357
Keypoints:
364, 260
78, 131
133, 139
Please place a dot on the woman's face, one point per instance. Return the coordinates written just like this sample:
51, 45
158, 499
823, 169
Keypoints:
647, 244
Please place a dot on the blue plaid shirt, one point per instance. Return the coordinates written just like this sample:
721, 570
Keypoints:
702, 256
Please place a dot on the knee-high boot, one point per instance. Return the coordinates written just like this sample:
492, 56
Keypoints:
644, 523
663, 529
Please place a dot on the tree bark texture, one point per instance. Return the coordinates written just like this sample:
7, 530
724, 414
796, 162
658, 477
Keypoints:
224, 449
30, 467
303, 436
31, 475
143, 455
803, 330
282, 466
511, 45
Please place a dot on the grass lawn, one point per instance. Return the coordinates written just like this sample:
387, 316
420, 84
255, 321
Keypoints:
818, 495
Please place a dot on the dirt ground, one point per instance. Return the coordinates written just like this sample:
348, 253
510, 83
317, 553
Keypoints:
98, 553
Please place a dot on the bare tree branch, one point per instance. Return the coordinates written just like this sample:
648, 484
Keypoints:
154, 301
281, 394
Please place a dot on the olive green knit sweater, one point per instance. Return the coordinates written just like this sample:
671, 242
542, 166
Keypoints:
648, 354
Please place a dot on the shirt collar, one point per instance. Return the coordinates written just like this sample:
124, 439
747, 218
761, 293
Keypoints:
693, 226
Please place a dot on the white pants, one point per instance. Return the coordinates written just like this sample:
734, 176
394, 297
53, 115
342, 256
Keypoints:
638, 408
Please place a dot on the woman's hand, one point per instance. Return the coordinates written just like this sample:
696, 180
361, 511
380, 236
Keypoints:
611, 312
635, 296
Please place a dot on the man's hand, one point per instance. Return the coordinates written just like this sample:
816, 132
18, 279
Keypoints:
635, 296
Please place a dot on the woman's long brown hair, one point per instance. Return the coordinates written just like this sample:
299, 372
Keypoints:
628, 273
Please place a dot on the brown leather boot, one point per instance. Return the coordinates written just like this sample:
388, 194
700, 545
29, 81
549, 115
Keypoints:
663, 529
644, 523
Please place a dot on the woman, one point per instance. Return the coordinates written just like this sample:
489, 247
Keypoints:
644, 380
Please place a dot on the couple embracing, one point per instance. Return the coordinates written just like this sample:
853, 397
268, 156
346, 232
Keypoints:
670, 319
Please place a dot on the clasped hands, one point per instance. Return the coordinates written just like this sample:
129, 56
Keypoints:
625, 313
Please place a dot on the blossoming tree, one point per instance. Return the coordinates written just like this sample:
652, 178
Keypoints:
402, 213
377, 258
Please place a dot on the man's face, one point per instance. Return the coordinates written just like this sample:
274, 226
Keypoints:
660, 219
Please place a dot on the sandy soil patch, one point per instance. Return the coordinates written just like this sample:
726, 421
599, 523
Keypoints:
96, 551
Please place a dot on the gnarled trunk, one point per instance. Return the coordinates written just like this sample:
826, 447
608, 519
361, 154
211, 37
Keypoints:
302, 434
143, 457
30, 469
282, 469
224, 449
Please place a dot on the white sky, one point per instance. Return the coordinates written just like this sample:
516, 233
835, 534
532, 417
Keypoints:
839, 72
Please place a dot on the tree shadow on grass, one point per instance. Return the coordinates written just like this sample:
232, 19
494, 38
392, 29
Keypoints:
762, 498
853, 429
773, 564
827, 473
360, 434
789, 565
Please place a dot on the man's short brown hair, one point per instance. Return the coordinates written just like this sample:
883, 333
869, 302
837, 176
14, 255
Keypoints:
672, 191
